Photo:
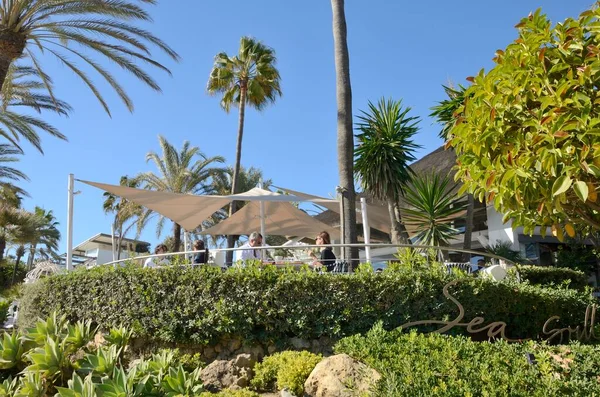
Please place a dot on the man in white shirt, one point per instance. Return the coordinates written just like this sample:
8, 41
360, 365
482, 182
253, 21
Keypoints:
252, 248
158, 261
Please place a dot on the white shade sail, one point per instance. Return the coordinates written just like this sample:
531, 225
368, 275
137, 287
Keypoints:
190, 210
281, 219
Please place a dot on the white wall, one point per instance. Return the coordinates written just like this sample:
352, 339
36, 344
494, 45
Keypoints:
497, 231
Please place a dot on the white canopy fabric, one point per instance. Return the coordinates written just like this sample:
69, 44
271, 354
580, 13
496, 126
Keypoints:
190, 210
281, 219
378, 215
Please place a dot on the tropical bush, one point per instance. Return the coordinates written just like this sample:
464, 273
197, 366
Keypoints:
63, 358
188, 305
414, 364
552, 276
4, 305
285, 370
6, 274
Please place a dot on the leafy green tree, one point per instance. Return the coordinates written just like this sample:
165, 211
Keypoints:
430, 208
248, 78
126, 213
185, 171
384, 149
10, 202
345, 137
72, 29
446, 112
528, 135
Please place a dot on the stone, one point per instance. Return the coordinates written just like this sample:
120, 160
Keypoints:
218, 348
315, 346
300, 344
271, 349
228, 374
209, 352
234, 344
286, 393
340, 376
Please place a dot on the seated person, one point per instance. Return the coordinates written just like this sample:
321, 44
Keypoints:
199, 257
480, 265
251, 250
159, 261
327, 257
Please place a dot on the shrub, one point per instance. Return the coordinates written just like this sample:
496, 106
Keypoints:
62, 359
187, 305
414, 364
552, 276
285, 370
6, 274
231, 393
4, 305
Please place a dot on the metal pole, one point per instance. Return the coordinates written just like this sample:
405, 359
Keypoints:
112, 240
185, 244
262, 220
70, 223
342, 228
366, 228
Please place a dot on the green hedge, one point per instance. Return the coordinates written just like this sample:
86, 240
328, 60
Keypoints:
202, 305
441, 365
553, 276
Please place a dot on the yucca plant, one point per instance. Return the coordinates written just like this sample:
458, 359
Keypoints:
68, 29
430, 207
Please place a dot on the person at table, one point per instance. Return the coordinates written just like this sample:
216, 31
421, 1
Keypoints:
158, 261
251, 250
199, 257
327, 258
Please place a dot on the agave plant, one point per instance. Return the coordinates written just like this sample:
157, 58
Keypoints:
12, 351
32, 385
78, 387
9, 386
49, 360
180, 383
122, 383
119, 337
102, 362
52, 328
80, 334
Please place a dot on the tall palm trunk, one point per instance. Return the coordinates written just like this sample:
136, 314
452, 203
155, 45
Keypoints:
176, 237
345, 141
30, 259
236, 168
20, 252
12, 46
399, 234
2, 247
468, 227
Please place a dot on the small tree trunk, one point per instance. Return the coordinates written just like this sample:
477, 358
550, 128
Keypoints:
176, 237
20, 253
345, 133
468, 227
395, 231
236, 169
32, 249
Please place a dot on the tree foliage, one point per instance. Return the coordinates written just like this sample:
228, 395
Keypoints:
527, 135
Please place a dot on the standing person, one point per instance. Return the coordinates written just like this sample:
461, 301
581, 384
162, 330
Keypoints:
160, 261
251, 250
327, 257
200, 257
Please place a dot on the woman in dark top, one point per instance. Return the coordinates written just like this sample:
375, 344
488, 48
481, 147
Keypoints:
327, 258
199, 257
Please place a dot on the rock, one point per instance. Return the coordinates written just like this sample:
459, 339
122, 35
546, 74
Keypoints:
286, 393
300, 344
223, 374
218, 348
340, 376
209, 352
315, 346
271, 349
235, 344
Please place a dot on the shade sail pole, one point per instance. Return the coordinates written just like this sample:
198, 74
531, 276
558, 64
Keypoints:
185, 244
342, 226
70, 223
262, 220
366, 228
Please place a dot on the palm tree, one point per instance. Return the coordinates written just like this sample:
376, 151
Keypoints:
22, 89
430, 208
124, 211
447, 113
384, 150
249, 78
178, 173
72, 29
345, 140
43, 233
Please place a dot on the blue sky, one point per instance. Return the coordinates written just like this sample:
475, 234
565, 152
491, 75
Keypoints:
398, 49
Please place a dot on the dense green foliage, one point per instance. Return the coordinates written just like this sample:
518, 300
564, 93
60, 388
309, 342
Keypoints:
182, 304
285, 370
6, 273
527, 134
552, 276
58, 357
438, 365
4, 305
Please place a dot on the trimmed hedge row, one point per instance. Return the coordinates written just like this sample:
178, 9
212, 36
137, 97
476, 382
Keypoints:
553, 276
203, 305
439, 365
